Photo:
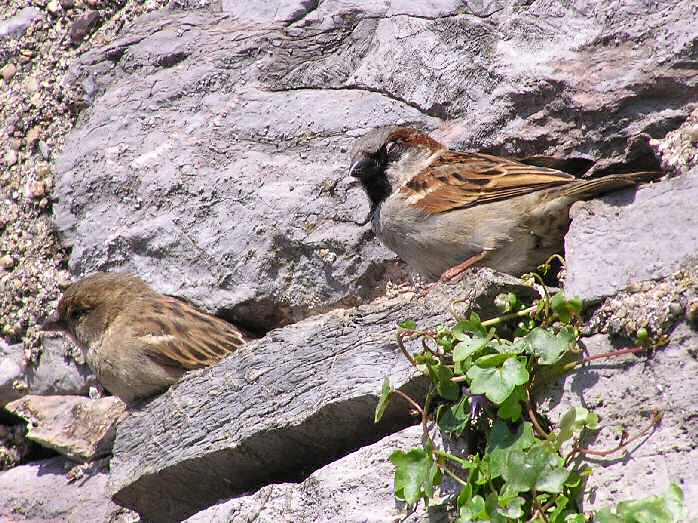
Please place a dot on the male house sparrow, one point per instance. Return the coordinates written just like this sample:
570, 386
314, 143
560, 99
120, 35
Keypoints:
442, 211
137, 341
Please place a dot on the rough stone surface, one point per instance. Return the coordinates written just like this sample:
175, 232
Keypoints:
209, 114
632, 236
290, 402
15, 26
210, 158
83, 26
623, 392
42, 492
54, 373
79, 428
341, 492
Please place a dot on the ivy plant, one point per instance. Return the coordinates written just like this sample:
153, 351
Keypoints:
483, 375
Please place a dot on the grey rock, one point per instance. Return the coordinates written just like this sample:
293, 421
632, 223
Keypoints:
356, 488
12, 385
222, 163
623, 392
83, 26
194, 4
288, 403
632, 236
41, 492
81, 429
15, 26
263, 12
55, 373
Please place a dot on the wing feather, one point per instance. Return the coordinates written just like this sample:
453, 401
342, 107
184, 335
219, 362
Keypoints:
458, 180
175, 334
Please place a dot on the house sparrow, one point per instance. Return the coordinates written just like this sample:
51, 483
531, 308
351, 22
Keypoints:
137, 341
442, 211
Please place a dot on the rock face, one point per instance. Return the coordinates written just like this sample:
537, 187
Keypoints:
221, 165
79, 428
210, 158
612, 243
15, 26
41, 491
53, 374
624, 393
340, 492
286, 404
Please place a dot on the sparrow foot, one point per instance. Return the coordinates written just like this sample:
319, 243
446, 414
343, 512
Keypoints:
454, 273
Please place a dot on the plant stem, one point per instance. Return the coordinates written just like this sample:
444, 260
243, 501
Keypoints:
507, 317
654, 421
463, 463
612, 354
531, 410
404, 350
410, 401
453, 475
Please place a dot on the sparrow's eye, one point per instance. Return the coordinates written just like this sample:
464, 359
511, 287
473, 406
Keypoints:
392, 146
78, 313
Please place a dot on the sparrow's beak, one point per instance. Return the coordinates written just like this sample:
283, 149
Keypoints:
360, 167
53, 323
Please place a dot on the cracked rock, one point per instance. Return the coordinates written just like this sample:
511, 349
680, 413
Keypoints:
79, 428
290, 402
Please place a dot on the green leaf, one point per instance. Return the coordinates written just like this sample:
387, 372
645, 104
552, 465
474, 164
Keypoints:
386, 391
414, 474
500, 442
507, 302
565, 308
441, 376
575, 518
469, 346
511, 508
465, 495
538, 467
573, 421
455, 418
472, 325
549, 347
473, 510
492, 360
497, 383
558, 508
511, 407
667, 508
408, 325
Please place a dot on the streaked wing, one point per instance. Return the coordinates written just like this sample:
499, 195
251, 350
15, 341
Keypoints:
457, 180
174, 333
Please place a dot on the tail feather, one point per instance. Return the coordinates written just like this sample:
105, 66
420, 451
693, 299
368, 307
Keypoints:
587, 188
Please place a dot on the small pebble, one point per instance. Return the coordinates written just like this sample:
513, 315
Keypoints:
37, 190
45, 150
7, 262
53, 7
43, 170
83, 26
8, 71
10, 158
32, 136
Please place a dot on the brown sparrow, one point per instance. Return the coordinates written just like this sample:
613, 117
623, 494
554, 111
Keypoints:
137, 341
442, 211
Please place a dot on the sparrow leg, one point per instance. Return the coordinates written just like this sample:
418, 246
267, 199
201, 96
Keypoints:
459, 269
454, 272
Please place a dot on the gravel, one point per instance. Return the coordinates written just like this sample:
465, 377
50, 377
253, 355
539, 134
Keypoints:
36, 112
